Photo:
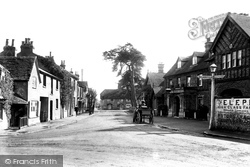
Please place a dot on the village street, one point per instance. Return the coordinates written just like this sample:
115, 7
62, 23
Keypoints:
109, 138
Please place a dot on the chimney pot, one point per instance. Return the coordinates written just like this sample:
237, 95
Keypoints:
12, 42
26, 40
7, 42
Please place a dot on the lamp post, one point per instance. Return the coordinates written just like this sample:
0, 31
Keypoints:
213, 68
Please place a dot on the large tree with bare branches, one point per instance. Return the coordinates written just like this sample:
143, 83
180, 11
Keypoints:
126, 59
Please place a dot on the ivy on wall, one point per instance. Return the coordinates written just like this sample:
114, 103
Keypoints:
6, 85
49, 63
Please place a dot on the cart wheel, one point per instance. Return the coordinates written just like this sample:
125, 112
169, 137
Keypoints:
137, 119
151, 119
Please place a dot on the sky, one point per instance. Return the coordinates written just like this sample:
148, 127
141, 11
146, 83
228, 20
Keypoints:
79, 31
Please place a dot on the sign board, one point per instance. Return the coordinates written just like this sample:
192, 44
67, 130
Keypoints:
210, 77
239, 105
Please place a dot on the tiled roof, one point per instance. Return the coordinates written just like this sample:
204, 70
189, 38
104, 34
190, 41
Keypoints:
82, 84
19, 68
155, 79
188, 66
242, 20
114, 94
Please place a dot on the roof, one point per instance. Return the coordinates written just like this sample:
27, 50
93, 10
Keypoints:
82, 84
19, 67
242, 20
114, 94
18, 100
188, 66
154, 79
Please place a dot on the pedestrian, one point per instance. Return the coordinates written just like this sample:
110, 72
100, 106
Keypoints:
76, 110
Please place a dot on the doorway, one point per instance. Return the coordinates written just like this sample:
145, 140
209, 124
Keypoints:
51, 110
176, 106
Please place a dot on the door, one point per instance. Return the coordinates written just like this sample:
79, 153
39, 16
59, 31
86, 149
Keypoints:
51, 110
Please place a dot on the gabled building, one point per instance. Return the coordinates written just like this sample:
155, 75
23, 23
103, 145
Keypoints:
231, 53
152, 88
81, 96
184, 92
34, 83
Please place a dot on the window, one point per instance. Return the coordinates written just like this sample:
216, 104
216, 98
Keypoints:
170, 82
234, 59
228, 60
44, 80
51, 85
200, 80
194, 60
239, 57
179, 82
224, 62
57, 103
34, 106
179, 64
188, 81
34, 82
57, 84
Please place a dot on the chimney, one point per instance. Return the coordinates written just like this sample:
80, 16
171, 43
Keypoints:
81, 74
160, 68
63, 64
13, 42
208, 44
26, 47
7, 42
9, 50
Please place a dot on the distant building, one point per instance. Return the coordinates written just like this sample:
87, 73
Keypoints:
115, 99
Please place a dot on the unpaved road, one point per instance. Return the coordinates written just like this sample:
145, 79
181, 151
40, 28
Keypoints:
108, 138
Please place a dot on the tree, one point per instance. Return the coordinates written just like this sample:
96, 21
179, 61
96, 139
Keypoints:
6, 86
126, 58
125, 81
91, 99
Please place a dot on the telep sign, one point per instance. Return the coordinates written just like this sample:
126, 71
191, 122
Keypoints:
201, 27
241, 105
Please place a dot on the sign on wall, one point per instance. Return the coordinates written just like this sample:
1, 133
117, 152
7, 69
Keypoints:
239, 105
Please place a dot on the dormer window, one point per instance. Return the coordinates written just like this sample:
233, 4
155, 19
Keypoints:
194, 60
179, 64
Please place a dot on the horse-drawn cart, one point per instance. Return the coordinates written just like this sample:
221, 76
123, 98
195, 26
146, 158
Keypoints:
144, 113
